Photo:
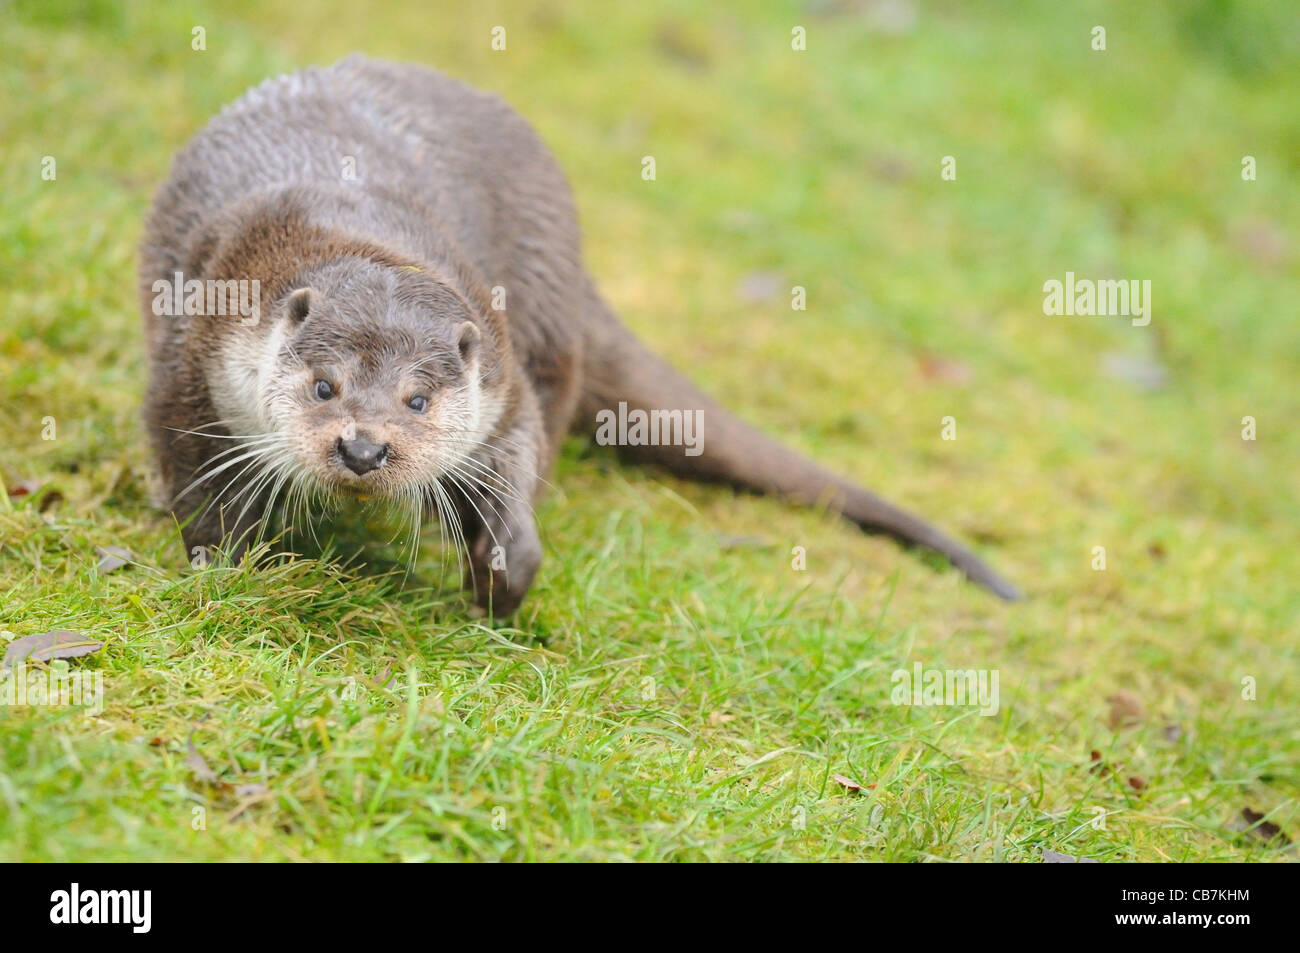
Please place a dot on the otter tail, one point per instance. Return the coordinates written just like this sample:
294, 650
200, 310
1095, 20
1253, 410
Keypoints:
618, 369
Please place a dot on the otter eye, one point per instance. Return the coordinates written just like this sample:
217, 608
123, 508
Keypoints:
324, 389
418, 404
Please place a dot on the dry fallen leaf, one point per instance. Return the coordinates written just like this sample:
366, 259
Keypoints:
33, 489
248, 794
1052, 857
890, 168
1262, 241
197, 764
112, 557
1098, 765
49, 645
1125, 710
1137, 782
741, 542
1142, 372
380, 680
760, 286
850, 784
936, 368
1266, 831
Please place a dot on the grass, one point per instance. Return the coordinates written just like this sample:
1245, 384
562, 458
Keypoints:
667, 692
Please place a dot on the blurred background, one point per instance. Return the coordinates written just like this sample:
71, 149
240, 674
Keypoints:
818, 168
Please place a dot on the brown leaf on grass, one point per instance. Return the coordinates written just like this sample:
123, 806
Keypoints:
741, 542
1103, 768
1052, 857
1253, 823
1125, 710
936, 368
25, 488
850, 784
112, 558
891, 167
33, 489
247, 794
760, 286
1141, 371
49, 645
1261, 241
197, 764
380, 680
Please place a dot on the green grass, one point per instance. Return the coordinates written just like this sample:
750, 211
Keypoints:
663, 695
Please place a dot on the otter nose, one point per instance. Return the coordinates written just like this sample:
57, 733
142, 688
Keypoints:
360, 455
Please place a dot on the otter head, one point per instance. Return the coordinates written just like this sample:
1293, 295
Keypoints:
373, 380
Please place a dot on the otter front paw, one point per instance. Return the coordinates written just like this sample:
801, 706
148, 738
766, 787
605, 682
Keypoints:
501, 569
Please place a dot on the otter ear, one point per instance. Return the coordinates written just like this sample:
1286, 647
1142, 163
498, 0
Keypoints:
300, 304
467, 340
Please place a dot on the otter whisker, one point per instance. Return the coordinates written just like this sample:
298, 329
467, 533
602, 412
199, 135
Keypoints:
437, 498
261, 461
465, 492
202, 429
525, 453
307, 496
491, 441
459, 543
504, 498
253, 490
267, 450
270, 462
467, 484
289, 508
415, 510
283, 472
296, 508
500, 484
265, 440
262, 447
250, 454
495, 483
223, 436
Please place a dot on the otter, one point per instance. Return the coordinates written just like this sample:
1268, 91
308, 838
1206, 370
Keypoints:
425, 331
